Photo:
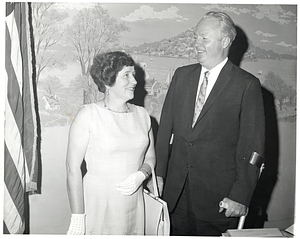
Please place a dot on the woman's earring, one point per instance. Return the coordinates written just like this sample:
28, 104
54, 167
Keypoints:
107, 91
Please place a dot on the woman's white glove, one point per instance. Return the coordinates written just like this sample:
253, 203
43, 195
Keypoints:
77, 225
131, 184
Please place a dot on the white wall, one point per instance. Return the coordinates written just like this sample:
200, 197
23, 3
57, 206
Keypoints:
50, 211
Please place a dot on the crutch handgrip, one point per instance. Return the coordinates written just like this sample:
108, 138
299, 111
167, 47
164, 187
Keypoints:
241, 222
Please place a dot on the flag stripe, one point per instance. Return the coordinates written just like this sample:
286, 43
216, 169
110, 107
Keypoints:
30, 131
13, 142
13, 115
20, 126
13, 87
13, 26
13, 184
12, 219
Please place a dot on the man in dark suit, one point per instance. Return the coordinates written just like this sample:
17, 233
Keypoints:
212, 129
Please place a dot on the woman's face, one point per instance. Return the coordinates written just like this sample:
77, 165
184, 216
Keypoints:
125, 84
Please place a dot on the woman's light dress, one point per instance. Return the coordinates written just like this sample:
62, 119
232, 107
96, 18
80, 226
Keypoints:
116, 149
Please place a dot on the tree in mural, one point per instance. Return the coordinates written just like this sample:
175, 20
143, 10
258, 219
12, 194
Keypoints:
92, 32
291, 94
279, 88
48, 31
51, 85
90, 91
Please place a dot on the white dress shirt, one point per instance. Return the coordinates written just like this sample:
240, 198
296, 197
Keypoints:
213, 76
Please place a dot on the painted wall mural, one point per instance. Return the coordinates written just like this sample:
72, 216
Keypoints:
160, 38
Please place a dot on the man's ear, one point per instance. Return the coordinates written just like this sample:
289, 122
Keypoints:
226, 42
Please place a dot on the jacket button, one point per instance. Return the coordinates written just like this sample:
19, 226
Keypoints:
187, 166
191, 144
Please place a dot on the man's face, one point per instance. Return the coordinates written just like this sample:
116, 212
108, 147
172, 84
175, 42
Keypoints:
209, 43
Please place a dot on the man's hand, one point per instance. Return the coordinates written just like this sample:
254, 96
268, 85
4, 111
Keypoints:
233, 209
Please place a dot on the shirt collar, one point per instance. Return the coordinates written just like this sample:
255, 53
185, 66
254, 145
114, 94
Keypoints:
216, 70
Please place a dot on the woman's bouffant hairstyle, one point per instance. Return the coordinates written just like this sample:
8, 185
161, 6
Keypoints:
106, 67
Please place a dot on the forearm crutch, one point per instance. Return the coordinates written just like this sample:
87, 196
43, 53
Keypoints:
258, 161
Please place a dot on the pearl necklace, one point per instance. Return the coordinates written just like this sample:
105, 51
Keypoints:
122, 112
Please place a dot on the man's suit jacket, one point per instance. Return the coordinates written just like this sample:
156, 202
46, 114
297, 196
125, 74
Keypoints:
215, 153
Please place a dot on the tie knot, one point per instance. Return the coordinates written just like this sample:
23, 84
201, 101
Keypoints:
206, 74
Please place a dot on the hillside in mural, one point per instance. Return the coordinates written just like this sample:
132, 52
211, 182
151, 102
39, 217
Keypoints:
182, 46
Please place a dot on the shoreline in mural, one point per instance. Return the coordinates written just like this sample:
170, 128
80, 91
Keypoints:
60, 100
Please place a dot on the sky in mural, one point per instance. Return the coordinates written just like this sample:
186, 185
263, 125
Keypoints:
269, 26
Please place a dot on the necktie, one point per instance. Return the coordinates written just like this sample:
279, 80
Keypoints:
201, 98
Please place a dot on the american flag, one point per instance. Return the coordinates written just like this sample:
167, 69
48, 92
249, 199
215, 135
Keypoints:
20, 125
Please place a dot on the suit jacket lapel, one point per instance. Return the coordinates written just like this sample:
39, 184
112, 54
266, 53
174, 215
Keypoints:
221, 83
193, 87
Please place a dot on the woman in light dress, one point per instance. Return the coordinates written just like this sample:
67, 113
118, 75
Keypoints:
116, 140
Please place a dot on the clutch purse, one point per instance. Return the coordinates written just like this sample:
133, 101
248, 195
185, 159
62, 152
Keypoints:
157, 221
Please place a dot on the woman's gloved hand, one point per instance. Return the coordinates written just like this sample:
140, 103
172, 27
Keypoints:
131, 184
77, 225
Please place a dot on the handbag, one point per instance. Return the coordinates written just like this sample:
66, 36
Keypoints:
157, 221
